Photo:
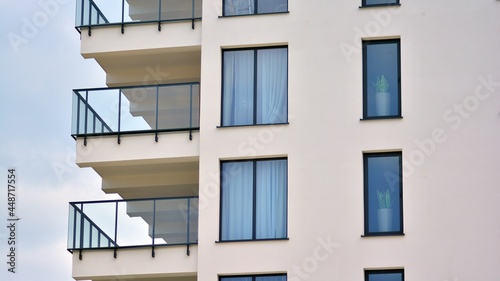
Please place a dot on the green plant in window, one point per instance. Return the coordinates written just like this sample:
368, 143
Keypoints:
384, 199
382, 85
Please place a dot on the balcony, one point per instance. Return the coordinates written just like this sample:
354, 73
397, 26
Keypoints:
135, 223
99, 13
135, 110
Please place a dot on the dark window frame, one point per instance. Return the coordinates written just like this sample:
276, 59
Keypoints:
253, 276
384, 271
366, 83
254, 161
255, 2
255, 49
366, 200
364, 5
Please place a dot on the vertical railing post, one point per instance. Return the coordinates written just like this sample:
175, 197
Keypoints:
119, 113
77, 112
159, 15
188, 223
74, 227
123, 16
80, 256
190, 111
85, 121
157, 115
82, 14
116, 229
192, 15
154, 230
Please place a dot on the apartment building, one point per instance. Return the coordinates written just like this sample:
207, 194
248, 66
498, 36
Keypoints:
271, 140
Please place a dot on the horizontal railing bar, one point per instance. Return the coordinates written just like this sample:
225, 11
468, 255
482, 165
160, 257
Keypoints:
134, 246
133, 200
138, 86
136, 132
137, 22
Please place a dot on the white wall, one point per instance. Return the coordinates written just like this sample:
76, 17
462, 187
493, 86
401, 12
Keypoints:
450, 192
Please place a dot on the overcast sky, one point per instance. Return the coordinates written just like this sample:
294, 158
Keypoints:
40, 64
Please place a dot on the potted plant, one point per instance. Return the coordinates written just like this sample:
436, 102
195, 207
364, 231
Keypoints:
384, 213
382, 96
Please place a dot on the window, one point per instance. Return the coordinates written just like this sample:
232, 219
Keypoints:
381, 79
250, 7
379, 2
383, 194
276, 277
253, 200
255, 86
384, 275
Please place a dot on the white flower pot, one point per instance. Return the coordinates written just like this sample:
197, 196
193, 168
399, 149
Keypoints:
384, 217
382, 103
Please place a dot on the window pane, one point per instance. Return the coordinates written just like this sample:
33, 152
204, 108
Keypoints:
238, 88
237, 200
381, 69
385, 276
239, 7
271, 199
383, 191
272, 86
271, 278
380, 2
271, 6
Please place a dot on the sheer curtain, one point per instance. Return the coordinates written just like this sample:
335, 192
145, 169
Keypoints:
239, 7
238, 88
271, 278
271, 189
237, 201
272, 85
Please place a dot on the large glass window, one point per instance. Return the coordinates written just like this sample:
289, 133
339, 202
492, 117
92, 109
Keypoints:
254, 200
250, 7
384, 275
383, 193
381, 79
255, 86
379, 2
276, 277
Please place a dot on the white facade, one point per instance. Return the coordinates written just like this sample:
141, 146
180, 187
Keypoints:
449, 137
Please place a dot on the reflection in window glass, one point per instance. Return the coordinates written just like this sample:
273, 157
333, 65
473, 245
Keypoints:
255, 86
384, 275
383, 187
278, 277
381, 79
379, 2
254, 199
249, 7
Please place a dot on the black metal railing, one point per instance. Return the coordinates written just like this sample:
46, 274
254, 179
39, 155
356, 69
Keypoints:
124, 12
136, 109
116, 224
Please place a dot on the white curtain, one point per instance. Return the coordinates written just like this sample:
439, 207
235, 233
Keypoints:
272, 85
238, 215
271, 278
239, 7
271, 189
237, 201
238, 88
